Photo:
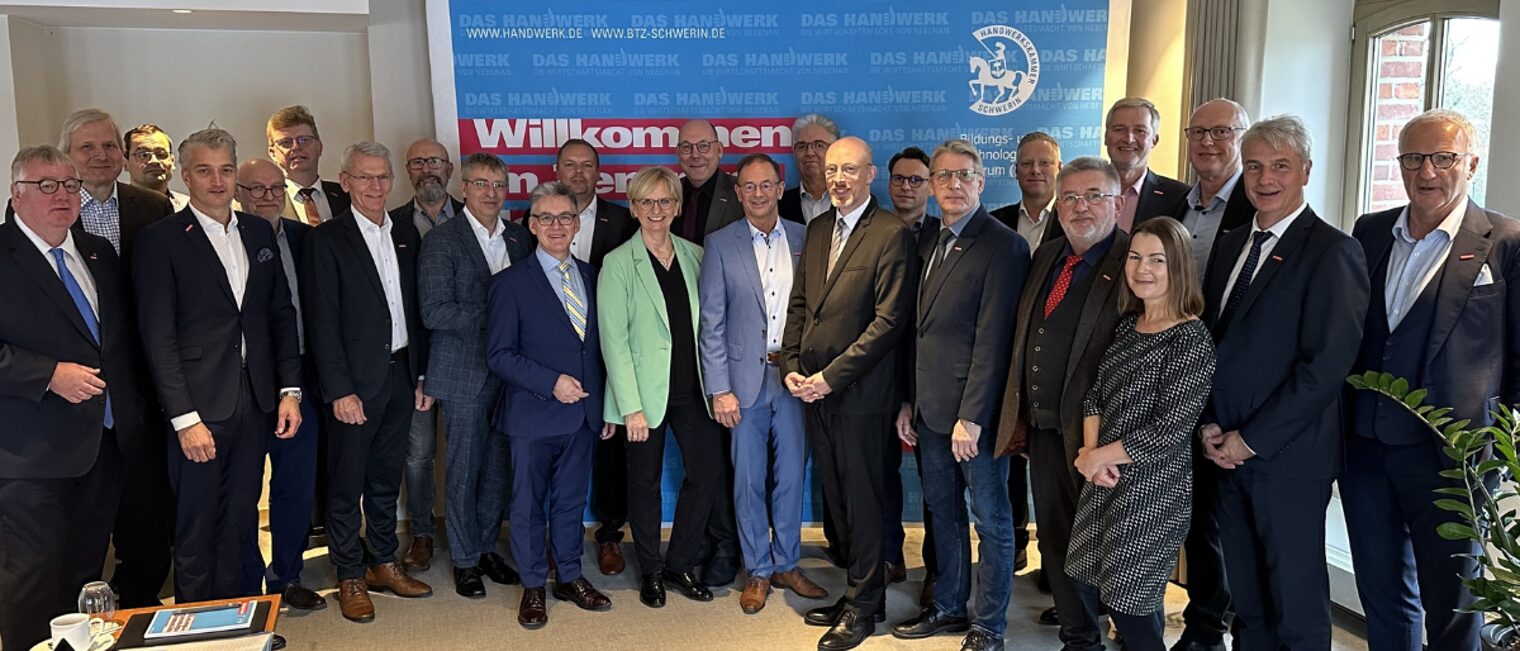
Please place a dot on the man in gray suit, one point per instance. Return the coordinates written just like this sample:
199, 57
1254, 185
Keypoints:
710, 200
458, 259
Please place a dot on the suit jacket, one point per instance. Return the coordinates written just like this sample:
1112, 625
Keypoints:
733, 335
406, 212
962, 336
847, 325
337, 201
452, 279
530, 343
907, 356
348, 322
614, 226
47, 437
193, 329
1284, 357
1471, 361
635, 328
136, 207
790, 206
725, 208
1238, 211
1095, 331
1160, 196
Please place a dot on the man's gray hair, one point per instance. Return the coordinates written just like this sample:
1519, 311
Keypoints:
365, 148
1440, 117
817, 119
482, 161
958, 146
1091, 164
39, 154
212, 138
1139, 103
1037, 136
80, 118
1281, 132
550, 189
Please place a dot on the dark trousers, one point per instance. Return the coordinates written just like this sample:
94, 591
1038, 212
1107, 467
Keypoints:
217, 503
475, 479
1273, 530
704, 454
53, 536
946, 485
1406, 574
365, 462
848, 452
1057, 485
892, 533
549, 470
144, 536
609, 487
1140, 632
931, 559
1018, 496
292, 491
1207, 590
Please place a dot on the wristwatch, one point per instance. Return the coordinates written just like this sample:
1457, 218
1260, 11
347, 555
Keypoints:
294, 393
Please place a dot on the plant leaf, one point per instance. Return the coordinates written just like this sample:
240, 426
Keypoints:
1455, 507
1456, 531
1415, 397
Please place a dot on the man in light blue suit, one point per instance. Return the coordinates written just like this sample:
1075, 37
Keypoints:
745, 283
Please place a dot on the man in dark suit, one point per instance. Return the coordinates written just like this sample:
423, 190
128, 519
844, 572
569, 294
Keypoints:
1037, 161
811, 136
458, 260
1215, 206
220, 332
428, 169
108, 208
1449, 273
541, 341
1065, 321
851, 301
711, 202
604, 226
68, 397
296, 147
1285, 300
973, 273
1131, 131
359, 283
292, 461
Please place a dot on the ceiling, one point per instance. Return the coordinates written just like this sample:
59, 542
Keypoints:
271, 15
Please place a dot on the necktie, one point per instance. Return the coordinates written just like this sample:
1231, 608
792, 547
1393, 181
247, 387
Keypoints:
575, 308
841, 234
945, 235
83, 305
309, 206
1243, 281
1063, 283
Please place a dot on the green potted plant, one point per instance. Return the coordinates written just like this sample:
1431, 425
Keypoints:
1479, 454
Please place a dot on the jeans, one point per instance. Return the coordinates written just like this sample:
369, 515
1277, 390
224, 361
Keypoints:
945, 482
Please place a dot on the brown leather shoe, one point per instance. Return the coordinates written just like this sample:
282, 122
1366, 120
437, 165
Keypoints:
532, 612
392, 576
353, 600
581, 593
756, 589
610, 558
798, 583
419, 557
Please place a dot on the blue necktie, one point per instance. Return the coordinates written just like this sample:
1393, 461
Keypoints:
77, 293
1243, 281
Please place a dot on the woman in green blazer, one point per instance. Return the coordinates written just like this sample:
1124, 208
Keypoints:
648, 312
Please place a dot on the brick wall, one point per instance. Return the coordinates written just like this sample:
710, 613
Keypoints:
1400, 83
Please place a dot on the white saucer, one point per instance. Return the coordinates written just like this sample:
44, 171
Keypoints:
100, 643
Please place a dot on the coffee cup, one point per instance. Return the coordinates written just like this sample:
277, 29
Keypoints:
75, 628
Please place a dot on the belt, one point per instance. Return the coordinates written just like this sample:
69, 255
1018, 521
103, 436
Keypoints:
773, 359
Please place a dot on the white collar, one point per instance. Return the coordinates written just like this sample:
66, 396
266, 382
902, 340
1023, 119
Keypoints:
480, 231
44, 247
1281, 227
1450, 225
852, 218
369, 226
210, 224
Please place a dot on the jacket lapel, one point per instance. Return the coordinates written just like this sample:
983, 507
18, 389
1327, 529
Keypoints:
551, 293
476, 257
356, 240
958, 249
202, 245
41, 270
849, 246
1469, 252
1291, 242
643, 269
1100, 297
744, 249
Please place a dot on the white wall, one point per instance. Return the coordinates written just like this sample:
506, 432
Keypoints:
1504, 139
1157, 59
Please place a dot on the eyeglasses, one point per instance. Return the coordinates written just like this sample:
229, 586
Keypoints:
1441, 160
366, 179
50, 186
563, 219
1071, 198
264, 191
1217, 133
571, 166
942, 177
664, 204
430, 162
846, 171
1031, 164
810, 145
913, 181
702, 146
288, 144
147, 155
484, 184
764, 186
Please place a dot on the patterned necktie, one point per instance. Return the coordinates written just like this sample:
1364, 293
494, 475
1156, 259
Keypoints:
1243, 281
837, 246
575, 308
1063, 283
309, 206
83, 304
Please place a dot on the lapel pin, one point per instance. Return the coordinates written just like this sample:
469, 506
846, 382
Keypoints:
400, 246
189, 227
1108, 277
93, 257
1157, 192
1465, 257
955, 248
1277, 258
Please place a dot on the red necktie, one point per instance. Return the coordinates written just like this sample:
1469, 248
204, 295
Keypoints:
1063, 283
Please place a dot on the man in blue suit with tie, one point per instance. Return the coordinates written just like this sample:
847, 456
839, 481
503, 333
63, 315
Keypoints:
541, 341
1445, 315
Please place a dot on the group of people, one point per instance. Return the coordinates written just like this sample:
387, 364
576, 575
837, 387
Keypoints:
1162, 363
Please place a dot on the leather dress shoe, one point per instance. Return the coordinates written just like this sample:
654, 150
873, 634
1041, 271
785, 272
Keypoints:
532, 612
354, 602
581, 593
828, 615
392, 576
852, 628
1194, 645
687, 584
299, 597
756, 590
419, 556
721, 571
652, 591
496, 569
799, 584
609, 558
277, 642
468, 584
979, 641
1049, 617
894, 573
926, 594
930, 622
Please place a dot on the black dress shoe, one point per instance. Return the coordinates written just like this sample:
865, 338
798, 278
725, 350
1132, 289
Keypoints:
852, 628
1194, 645
299, 597
687, 585
532, 611
1049, 617
979, 641
930, 622
468, 584
652, 591
721, 571
828, 615
277, 642
894, 573
495, 568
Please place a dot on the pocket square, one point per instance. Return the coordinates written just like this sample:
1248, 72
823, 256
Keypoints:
1485, 277
265, 255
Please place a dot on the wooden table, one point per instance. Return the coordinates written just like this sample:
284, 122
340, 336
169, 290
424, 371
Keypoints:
122, 616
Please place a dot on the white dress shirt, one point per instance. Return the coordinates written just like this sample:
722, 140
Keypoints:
813, 206
773, 256
1033, 227
292, 194
72, 257
1277, 230
179, 200
1412, 263
580, 246
492, 244
382, 251
227, 242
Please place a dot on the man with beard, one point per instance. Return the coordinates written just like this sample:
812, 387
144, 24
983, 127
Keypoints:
811, 136
150, 162
429, 168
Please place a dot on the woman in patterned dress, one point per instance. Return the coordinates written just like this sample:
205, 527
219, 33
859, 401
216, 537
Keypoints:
1139, 418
